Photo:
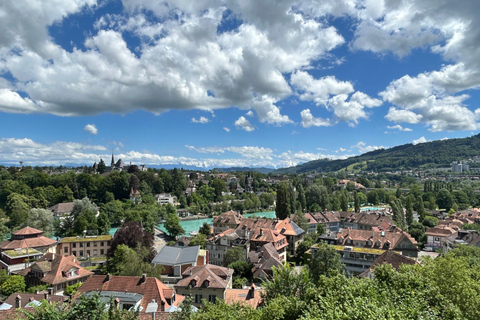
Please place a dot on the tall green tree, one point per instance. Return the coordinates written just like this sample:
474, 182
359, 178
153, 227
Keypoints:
301, 197
283, 209
420, 209
326, 262
41, 219
172, 224
356, 201
409, 210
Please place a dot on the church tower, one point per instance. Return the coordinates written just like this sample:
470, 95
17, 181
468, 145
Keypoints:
113, 161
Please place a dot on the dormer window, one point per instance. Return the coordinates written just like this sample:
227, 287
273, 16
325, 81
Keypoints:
205, 284
193, 283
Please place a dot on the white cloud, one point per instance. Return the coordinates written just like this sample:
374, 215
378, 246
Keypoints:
362, 147
334, 95
244, 124
91, 128
201, 120
12, 102
268, 112
419, 140
401, 115
399, 127
226, 129
250, 113
308, 120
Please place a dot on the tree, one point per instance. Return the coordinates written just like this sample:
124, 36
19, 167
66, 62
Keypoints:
398, 213
241, 269
41, 219
282, 209
101, 166
325, 261
356, 202
71, 290
409, 210
17, 209
420, 209
301, 197
172, 224
430, 221
321, 229
199, 240
205, 229
132, 235
301, 221
13, 284
316, 195
133, 262
445, 199
234, 254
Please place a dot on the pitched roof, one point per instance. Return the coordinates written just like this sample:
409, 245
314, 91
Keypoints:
250, 296
370, 219
27, 231
217, 277
66, 207
263, 235
150, 288
442, 230
29, 297
391, 257
392, 236
176, 256
288, 227
264, 259
55, 267
231, 217
34, 242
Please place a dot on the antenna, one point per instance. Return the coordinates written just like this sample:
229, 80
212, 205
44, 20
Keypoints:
21, 165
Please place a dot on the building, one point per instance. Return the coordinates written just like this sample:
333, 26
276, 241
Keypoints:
249, 296
438, 235
29, 237
56, 271
16, 260
388, 257
226, 220
61, 210
363, 220
22, 300
207, 282
176, 260
263, 236
459, 166
145, 294
165, 198
263, 260
329, 219
218, 245
85, 246
293, 233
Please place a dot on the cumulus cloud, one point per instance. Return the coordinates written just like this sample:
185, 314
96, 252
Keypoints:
226, 129
333, 95
244, 124
399, 127
200, 120
419, 140
91, 128
362, 147
308, 120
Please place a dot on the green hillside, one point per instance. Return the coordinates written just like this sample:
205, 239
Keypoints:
434, 154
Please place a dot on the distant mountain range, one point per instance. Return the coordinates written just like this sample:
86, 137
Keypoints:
234, 169
428, 155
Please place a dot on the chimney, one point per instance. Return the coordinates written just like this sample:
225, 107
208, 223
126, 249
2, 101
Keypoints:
18, 301
107, 278
45, 296
144, 278
50, 291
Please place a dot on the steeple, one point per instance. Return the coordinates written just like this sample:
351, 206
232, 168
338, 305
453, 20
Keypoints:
113, 161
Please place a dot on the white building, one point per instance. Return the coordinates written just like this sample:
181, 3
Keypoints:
164, 198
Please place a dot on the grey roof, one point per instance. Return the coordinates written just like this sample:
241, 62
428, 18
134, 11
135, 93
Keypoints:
171, 256
5, 306
152, 307
297, 229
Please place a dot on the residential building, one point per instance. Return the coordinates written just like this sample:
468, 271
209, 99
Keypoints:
438, 235
61, 210
16, 260
56, 271
145, 294
207, 282
227, 220
329, 219
292, 232
249, 296
176, 260
218, 245
390, 257
263, 236
363, 220
165, 198
135, 195
263, 260
29, 237
85, 246
22, 300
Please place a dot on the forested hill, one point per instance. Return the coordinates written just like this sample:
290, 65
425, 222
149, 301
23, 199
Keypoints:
434, 154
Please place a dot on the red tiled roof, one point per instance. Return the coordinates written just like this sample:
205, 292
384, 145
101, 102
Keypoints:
230, 217
263, 235
151, 288
35, 242
26, 231
393, 236
389, 257
26, 298
249, 296
218, 277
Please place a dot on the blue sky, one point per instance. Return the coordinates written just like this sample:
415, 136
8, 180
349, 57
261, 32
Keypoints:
233, 83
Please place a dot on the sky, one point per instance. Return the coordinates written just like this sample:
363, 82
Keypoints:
270, 83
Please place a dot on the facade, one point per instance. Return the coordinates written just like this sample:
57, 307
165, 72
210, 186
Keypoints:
438, 236
145, 294
61, 210
165, 198
218, 245
85, 246
56, 271
293, 233
363, 220
29, 237
16, 260
176, 260
263, 236
329, 219
388, 257
207, 282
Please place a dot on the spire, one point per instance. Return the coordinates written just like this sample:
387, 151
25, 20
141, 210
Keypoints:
113, 160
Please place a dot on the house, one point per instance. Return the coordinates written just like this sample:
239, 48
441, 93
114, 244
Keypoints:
363, 220
85, 246
165, 198
263, 260
207, 282
56, 271
263, 236
146, 294
29, 237
135, 195
218, 245
250, 296
176, 260
390, 257
438, 235
292, 232
227, 220
16, 260
329, 219
61, 210
22, 300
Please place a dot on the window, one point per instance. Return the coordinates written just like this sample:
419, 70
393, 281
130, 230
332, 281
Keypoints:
74, 253
212, 298
81, 253
95, 252
88, 253
65, 250
81, 244
102, 252
101, 244
95, 244
88, 244
74, 245
198, 298
437, 239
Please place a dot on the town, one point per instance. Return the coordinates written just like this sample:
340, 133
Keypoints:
173, 244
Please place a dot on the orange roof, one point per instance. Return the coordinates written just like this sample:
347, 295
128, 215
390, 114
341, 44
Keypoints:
218, 277
151, 288
288, 227
35, 242
393, 236
264, 235
248, 296
27, 230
